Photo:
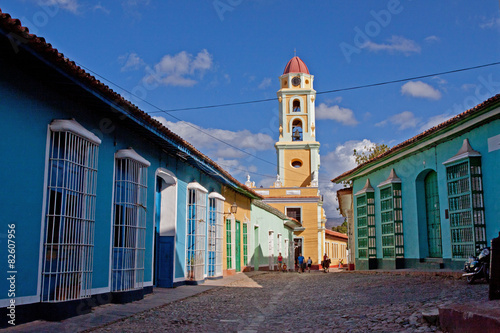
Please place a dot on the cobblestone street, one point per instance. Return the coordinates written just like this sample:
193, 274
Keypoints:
309, 302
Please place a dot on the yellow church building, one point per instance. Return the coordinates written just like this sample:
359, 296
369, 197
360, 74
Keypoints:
295, 191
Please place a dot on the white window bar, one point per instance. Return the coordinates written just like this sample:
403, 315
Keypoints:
129, 231
196, 232
215, 231
70, 212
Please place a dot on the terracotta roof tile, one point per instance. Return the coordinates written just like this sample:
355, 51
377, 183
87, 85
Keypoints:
336, 234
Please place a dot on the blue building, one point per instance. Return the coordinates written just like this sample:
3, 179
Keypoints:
430, 201
100, 202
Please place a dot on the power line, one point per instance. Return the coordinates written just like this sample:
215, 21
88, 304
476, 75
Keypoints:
167, 112
187, 123
333, 90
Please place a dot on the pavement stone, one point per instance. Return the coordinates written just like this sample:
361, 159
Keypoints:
339, 301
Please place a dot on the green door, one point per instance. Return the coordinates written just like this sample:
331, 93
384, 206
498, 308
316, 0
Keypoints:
432, 213
237, 247
256, 259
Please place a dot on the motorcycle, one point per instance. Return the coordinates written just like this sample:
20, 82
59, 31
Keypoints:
478, 267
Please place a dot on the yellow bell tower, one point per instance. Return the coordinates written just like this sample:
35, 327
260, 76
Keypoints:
297, 148
296, 191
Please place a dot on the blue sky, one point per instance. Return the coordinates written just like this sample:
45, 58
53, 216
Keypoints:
178, 54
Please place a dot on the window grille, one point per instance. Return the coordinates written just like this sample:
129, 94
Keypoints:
365, 208
196, 233
69, 212
245, 244
215, 230
129, 221
391, 212
465, 200
229, 248
295, 213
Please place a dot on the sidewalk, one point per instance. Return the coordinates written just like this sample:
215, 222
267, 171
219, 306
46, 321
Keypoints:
109, 313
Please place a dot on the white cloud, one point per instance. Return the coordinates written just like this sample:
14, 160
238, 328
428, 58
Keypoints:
180, 69
432, 39
265, 83
132, 8
337, 113
433, 121
69, 5
403, 120
131, 62
467, 86
235, 168
101, 8
395, 44
241, 139
420, 89
334, 164
490, 23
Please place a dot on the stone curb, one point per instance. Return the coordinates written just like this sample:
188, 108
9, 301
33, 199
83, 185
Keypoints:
473, 317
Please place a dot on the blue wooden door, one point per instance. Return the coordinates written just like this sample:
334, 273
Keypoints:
165, 262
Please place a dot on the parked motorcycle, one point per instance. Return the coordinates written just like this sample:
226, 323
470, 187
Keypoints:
478, 267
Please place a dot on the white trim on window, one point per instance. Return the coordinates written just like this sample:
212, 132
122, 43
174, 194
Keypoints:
71, 125
215, 234
131, 154
196, 231
69, 213
129, 221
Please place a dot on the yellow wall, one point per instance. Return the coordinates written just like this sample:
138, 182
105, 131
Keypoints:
242, 214
310, 223
333, 242
300, 177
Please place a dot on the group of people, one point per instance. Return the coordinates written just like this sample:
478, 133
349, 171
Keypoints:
303, 264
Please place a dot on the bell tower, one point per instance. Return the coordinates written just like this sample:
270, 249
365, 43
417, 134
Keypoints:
297, 148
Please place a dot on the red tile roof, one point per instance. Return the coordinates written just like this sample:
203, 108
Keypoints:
38, 44
336, 234
296, 65
400, 147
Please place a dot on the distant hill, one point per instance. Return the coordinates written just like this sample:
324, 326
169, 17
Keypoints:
333, 222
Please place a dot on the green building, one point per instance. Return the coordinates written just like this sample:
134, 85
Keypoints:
429, 201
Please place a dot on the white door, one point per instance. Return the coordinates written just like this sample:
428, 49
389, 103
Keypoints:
271, 250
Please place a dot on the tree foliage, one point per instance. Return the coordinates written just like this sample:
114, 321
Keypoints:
370, 152
341, 228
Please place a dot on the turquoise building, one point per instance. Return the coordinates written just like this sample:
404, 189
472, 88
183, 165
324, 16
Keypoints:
431, 201
272, 235
100, 202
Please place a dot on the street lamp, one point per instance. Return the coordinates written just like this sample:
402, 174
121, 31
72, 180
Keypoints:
232, 210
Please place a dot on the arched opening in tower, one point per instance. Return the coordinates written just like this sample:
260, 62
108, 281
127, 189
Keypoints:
297, 130
296, 105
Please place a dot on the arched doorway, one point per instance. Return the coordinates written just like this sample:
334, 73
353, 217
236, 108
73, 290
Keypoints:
165, 228
432, 215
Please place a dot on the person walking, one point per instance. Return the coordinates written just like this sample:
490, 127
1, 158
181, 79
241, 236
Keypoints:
301, 262
309, 264
280, 262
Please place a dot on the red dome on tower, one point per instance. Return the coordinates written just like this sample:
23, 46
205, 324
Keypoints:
296, 65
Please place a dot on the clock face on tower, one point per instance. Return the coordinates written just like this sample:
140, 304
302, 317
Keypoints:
296, 81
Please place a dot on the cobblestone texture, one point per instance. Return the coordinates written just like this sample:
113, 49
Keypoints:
309, 302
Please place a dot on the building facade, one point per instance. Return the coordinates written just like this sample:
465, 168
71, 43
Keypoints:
430, 201
336, 248
272, 234
295, 191
103, 202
